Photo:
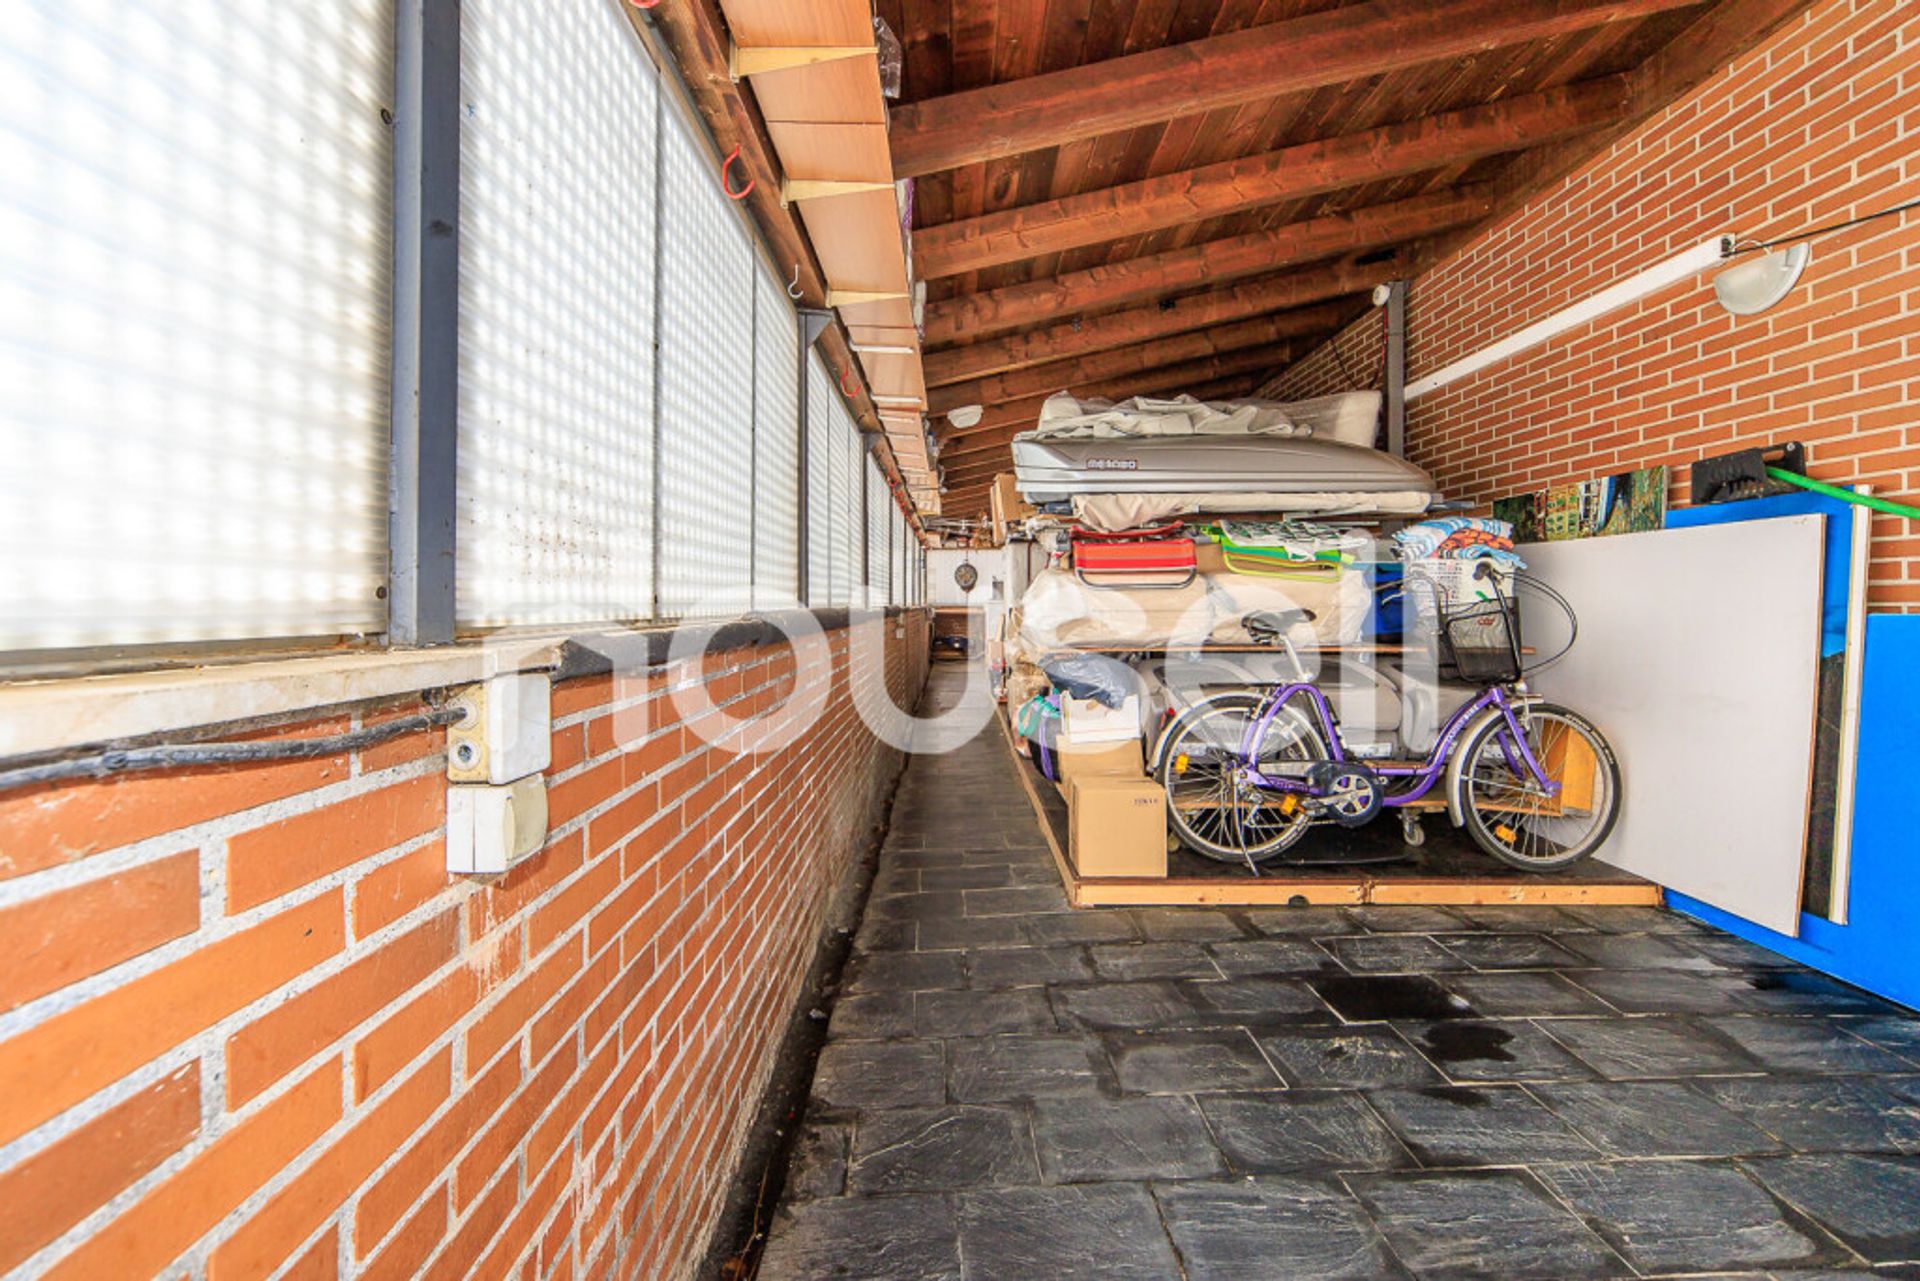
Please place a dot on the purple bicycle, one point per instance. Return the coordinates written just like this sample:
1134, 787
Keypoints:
1534, 783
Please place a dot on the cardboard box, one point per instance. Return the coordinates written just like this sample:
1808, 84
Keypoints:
1117, 826
1006, 506
1099, 760
1087, 720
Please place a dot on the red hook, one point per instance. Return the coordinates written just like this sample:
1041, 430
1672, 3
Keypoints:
844, 389
645, 4
726, 167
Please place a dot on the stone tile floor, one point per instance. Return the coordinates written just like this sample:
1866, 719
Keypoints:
1013, 1089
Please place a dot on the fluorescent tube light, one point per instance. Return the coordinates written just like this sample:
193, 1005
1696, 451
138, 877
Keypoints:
1708, 253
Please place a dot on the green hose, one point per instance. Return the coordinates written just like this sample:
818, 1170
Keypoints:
1886, 505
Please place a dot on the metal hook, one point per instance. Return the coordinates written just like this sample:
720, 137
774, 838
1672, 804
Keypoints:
793, 289
726, 167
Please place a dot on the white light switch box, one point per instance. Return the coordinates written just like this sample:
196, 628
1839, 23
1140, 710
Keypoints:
489, 828
507, 732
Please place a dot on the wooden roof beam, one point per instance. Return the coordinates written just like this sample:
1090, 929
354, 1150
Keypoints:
1079, 337
1291, 173
1331, 47
1213, 262
1121, 361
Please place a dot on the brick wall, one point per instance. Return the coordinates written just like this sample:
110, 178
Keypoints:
1819, 124
247, 1020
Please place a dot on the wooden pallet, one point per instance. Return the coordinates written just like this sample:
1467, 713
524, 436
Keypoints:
1299, 889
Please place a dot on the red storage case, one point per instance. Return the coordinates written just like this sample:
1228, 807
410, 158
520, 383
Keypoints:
1135, 558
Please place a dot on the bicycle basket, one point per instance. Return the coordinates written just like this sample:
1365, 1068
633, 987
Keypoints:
1480, 642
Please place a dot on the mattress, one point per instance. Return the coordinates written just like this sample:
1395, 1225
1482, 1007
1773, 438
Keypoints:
1056, 470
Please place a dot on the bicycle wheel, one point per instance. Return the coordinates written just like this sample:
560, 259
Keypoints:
1211, 811
1514, 819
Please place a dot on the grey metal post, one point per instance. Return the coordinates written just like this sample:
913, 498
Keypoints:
1397, 368
426, 315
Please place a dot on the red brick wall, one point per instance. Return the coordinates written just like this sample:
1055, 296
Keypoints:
247, 1017
1819, 124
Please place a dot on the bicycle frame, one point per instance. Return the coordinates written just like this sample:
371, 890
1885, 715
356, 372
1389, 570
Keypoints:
1513, 743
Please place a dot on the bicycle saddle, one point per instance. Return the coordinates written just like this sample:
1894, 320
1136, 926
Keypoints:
1268, 626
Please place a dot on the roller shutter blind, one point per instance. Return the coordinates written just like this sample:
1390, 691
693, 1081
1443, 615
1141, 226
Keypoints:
897, 547
195, 210
706, 385
846, 504
776, 446
879, 503
821, 398
557, 189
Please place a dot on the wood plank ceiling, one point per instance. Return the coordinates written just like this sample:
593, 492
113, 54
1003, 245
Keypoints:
1125, 196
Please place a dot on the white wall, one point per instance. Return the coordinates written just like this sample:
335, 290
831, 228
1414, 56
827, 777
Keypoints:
991, 565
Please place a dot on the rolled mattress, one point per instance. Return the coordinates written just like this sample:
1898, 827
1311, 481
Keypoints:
1054, 470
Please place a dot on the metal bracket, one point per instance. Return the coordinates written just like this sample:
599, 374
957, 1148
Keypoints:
813, 323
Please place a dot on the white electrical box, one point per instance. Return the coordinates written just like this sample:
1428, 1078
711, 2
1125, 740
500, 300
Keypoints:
507, 732
490, 828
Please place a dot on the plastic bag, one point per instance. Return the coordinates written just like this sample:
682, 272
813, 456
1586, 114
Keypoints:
1106, 681
892, 60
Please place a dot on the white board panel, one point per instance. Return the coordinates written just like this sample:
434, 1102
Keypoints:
1698, 658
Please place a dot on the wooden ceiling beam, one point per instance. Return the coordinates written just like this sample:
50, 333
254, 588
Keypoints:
1134, 280
1080, 337
1331, 47
1291, 173
1119, 361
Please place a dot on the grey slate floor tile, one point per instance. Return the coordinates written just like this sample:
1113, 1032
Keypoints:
1632, 1048
1506, 951
1500, 1225
1027, 967
1479, 1125
1127, 961
1257, 1000
1105, 1140
1654, 1119
1293, 955
1524, 994
872, 1017
1824, 1114
1110, 1231
997, 1069
1695, 1216
940, 1149
1302, 1132
1294, 1228
906, 971
1155, 1003
880, 1074
1866, 1201
907, 1238
1805, 1045
1472, 1050
1392, 954
1190, 1062
971, 1013
1362, 1056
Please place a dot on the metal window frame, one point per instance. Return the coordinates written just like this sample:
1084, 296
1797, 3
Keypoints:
424, 422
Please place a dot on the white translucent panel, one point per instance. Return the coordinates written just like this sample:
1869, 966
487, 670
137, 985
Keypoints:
821, 398
776, 446
897, 546
707, 275
847, 531
879, 503
195, 211
556, 315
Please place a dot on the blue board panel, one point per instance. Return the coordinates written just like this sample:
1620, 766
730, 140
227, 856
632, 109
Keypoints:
1838, 546
1879, 949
